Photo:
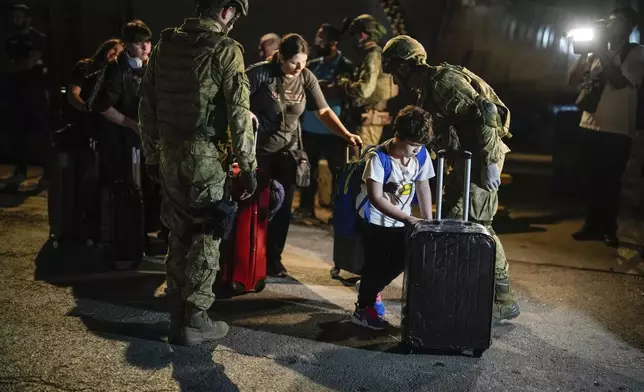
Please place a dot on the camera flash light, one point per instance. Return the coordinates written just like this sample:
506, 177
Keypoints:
582, 35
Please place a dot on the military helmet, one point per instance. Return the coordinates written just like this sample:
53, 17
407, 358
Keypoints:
366, 23
241, 5
403, 47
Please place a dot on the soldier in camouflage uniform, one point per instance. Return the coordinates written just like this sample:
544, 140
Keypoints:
370, 88
186, 133
467, 115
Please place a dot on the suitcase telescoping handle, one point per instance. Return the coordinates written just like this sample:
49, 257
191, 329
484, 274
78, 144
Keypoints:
467, 157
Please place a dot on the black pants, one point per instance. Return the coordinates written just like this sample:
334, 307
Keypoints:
29, 108
280, 167
606, 156
318, 146
384, 251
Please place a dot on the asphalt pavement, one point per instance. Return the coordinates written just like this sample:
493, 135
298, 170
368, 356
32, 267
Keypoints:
581, 329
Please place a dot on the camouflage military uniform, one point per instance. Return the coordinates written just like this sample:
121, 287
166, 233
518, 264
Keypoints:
185, 132
464, 119
370, 88
468, 115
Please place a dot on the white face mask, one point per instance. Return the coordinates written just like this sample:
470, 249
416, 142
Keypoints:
134, 62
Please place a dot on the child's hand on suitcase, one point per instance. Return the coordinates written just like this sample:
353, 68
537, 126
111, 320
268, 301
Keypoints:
412, 221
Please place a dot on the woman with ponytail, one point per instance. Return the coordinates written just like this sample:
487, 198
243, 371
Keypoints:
281, 89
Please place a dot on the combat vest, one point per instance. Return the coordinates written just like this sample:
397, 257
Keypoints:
486, 95
190, 102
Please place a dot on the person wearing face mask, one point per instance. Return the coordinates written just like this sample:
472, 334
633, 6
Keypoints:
468, 115
281, 89
118, 104
369, 89
318, 139
27, 91
119, 100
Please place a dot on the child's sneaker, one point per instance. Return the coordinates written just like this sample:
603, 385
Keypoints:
368, 317
380, 306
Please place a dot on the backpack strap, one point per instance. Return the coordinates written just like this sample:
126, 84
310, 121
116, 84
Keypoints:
422, 158
383, 156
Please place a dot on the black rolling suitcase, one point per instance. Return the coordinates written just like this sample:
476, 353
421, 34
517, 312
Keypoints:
122, 232
71, 160
61, 193
448, 290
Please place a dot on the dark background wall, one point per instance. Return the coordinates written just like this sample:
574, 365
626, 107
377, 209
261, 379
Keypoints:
516, 45
76, 27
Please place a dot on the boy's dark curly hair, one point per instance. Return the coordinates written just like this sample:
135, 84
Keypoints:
414, 125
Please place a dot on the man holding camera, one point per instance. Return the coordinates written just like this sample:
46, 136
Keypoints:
186, 133
610, 77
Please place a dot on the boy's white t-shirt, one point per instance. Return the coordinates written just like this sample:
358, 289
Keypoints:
403, 176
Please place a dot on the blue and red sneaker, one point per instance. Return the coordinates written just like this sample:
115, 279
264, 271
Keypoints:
380, 306
368, 317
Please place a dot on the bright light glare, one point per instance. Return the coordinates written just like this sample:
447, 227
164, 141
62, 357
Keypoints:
585, 34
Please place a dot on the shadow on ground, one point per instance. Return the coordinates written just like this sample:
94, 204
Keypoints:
122, 306
11, 199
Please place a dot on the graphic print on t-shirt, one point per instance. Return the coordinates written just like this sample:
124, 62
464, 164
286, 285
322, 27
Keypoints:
291, 98
406, 189
401, 191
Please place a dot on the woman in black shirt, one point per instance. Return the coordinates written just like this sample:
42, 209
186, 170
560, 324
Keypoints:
88, 73
281, 89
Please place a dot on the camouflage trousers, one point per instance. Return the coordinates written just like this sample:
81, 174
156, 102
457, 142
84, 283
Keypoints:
370, 134
192, 179
483, 206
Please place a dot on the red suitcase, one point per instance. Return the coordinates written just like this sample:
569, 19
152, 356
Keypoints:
243, 268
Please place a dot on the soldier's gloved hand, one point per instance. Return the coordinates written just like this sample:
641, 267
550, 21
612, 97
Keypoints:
153, 172
341, 82
491, 177
249, 182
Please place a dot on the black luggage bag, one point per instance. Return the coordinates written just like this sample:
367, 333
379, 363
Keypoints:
71, 180
122, 232
448, 290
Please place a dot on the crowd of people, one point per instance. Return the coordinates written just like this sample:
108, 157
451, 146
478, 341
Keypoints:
190, 100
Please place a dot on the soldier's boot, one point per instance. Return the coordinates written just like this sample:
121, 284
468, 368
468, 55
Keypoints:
177, 308
198, 328
505, 305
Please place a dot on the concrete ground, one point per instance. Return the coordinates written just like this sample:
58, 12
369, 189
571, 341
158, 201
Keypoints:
581, 327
